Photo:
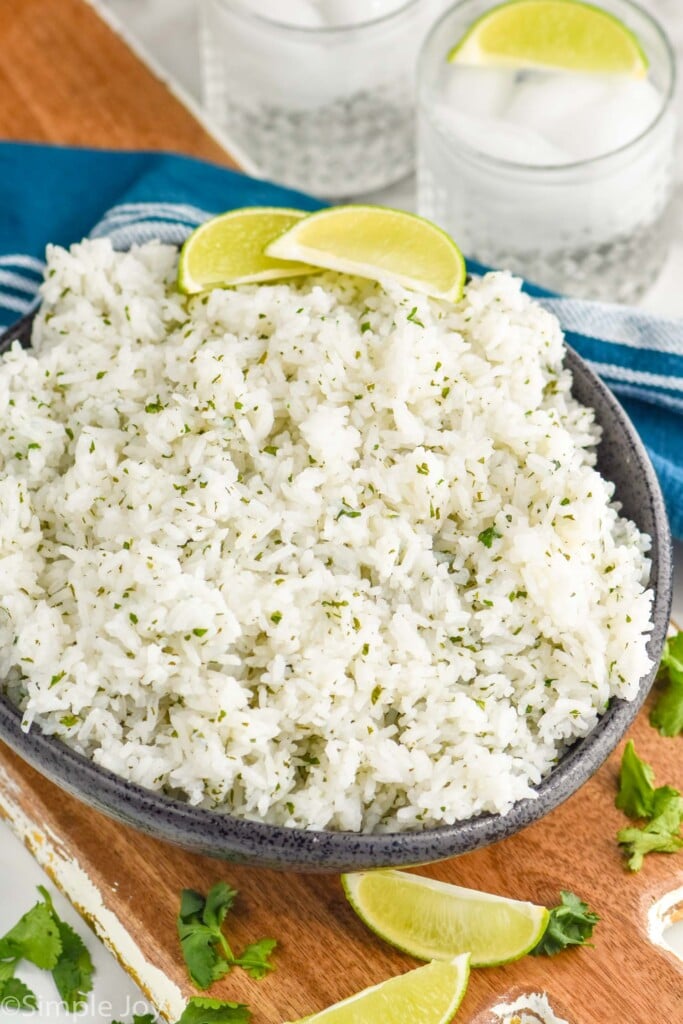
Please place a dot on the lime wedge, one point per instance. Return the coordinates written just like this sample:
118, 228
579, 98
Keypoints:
435, 921
426, 995
564, 34
382, 244
230, 250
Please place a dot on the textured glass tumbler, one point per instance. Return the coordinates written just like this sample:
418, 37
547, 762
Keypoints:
328, 110
595, 228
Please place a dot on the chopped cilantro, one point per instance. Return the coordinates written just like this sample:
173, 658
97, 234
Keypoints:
413, 317
346, 510
488, 535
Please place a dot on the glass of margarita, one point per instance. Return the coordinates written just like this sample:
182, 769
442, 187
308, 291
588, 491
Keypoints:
562, 175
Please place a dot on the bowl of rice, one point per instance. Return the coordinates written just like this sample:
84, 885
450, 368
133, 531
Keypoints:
317, 575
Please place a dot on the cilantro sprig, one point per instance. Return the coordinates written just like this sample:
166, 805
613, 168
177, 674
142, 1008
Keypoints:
571, 924
667, 714
206, 950
661, 807
43, 939
203, 1011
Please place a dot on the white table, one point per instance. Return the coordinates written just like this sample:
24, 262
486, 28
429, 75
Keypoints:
167, 31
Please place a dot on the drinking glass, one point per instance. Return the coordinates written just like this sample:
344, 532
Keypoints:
595, 227
326, 106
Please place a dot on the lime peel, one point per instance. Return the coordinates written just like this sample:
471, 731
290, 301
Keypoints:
384, 245
564, 34
434, 920
230, 249
425, 995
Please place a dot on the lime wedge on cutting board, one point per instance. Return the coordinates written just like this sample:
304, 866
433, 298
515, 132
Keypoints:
230, 250
565, 34
426, 995
435, 921
379, 243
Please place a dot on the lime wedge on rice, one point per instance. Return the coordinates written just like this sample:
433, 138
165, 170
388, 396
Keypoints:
565, 34
435, 921
379, 243
426, 995
230, 250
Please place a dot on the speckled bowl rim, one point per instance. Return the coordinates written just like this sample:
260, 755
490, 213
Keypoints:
230, 838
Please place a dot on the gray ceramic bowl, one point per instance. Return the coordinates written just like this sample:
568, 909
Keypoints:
623, 460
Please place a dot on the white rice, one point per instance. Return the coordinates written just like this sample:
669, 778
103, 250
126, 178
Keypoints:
243, 549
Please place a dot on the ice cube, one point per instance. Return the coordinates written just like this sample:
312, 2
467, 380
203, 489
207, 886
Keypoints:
542, 99
495, 137
478, 91
627, 108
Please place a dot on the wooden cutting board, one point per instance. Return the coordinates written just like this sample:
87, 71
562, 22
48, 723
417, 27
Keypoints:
66, 77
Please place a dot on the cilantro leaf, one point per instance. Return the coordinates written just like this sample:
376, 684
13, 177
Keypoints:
661, 834
570, 924
141, 1018
15, 995
197, 943
667, 714
255, 959
219, 901
35, 937
74, 969
213, 1011
636, 785
191, 903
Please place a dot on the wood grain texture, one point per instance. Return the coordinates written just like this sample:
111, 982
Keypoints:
326, 953
67, 78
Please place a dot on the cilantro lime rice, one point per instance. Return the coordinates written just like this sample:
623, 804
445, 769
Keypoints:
321, 554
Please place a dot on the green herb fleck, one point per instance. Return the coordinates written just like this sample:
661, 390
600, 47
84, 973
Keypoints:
413, 317
488, 535
346, 510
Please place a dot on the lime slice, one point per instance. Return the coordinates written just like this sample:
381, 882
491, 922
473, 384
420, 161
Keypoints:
377, 242
230, 250
435, 921
426, 995
563, 34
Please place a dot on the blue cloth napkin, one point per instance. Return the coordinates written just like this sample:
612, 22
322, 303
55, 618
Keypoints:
52, 194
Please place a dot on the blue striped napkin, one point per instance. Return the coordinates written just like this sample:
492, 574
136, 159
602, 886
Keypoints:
52, 194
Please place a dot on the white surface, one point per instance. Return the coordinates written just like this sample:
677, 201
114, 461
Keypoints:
168, 29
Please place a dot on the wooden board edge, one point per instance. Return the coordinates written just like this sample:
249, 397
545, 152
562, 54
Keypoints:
76, 885
240, 159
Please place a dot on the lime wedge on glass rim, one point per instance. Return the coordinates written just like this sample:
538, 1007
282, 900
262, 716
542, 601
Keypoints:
435, 921
563, 34
425, 995
385, 245
230, 250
